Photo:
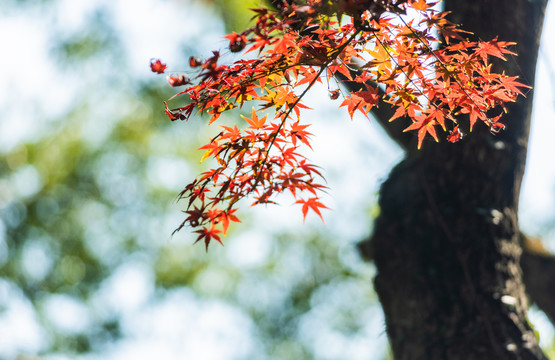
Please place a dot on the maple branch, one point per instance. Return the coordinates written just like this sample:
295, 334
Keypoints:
292, 107
454, 76
295, 41
448, 115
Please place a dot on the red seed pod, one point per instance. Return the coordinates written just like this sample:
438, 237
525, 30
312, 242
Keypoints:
194, 61
178, 80
334, 94
236, 42
496, 127
287, 77
455, 135
174, 115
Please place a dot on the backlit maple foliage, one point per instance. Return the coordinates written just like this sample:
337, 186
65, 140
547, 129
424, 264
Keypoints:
391, 47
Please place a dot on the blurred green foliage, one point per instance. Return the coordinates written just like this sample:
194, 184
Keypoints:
235, 13
94, 194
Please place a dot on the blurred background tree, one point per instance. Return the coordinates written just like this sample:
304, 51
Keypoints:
89, 172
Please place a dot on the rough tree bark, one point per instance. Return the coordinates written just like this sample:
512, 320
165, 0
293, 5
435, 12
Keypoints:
446, 243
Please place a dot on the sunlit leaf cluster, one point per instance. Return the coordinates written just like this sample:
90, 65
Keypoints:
404, 53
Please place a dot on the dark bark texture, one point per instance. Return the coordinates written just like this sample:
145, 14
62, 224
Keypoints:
446, 244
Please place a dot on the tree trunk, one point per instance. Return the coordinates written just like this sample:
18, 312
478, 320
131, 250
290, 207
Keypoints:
446, 243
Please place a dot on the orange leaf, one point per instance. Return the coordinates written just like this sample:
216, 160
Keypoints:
361, 100
312, 204
255, 122
209, 235
211, 149
226, 217
424, 124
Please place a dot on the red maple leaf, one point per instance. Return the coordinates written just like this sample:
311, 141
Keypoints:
361, 100
255, 122
209, 234
494, 48
424, 124
157, 66
297, 132
312, 204
227, 216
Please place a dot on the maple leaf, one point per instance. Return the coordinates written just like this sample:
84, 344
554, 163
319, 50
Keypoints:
422, 5
309, 168
307, 75
231, 133
495, 126
157, 66
312, 204
211, 149
381, 60
342, 69
503, 95
227, 216
282, 45
297, 132
281, 96
424, 124
438, 115
494, 48
255, 122
361, 100
400, 112
474, 113
510, 84
208, 234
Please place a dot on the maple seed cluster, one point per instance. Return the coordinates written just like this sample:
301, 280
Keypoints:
302, 44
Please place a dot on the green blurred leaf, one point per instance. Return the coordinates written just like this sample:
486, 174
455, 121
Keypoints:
235, 13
